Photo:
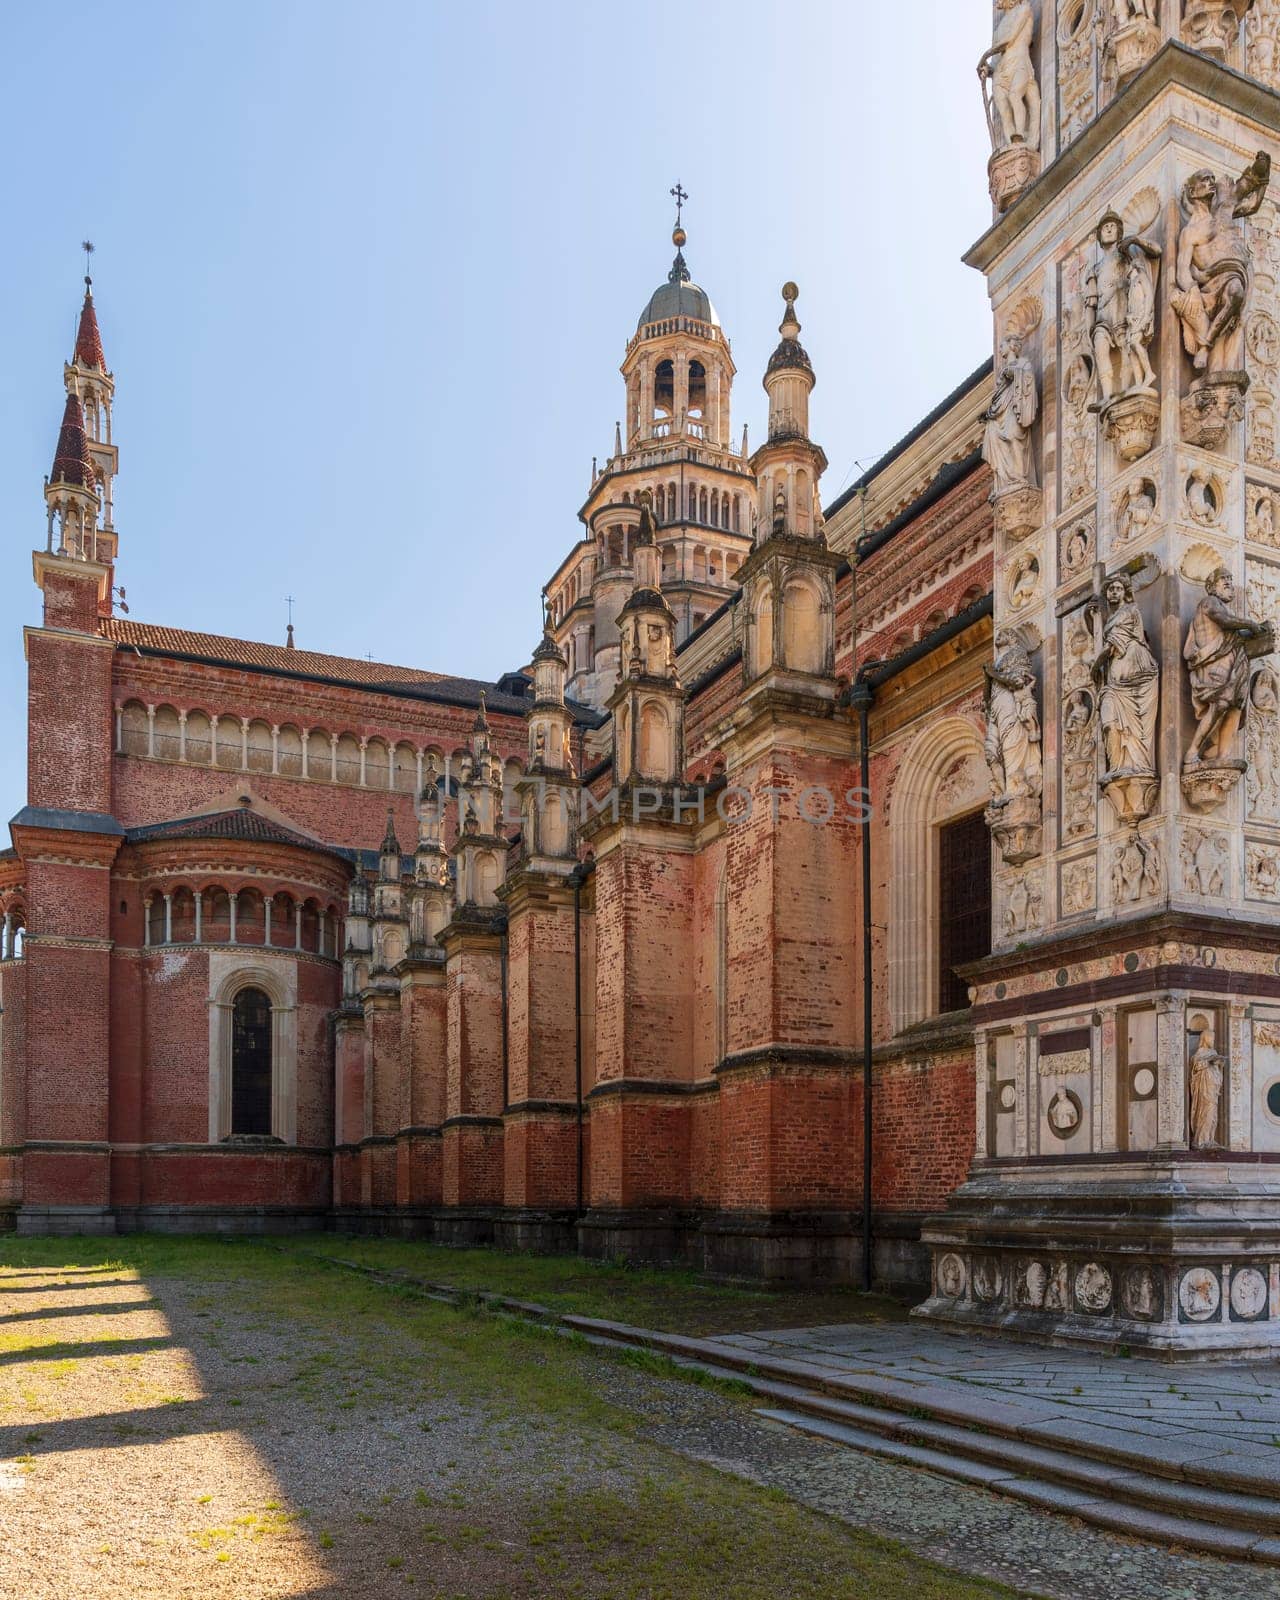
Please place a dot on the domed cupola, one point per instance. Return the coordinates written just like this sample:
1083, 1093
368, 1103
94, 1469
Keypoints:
679, 296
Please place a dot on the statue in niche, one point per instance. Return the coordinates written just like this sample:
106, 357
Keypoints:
1213, 266
1135, 511
1010, 70
780, 511
1130, 680
1217, 655
1135, 873
1206, 1090
647, 533
1012, 747
1120, 294
1006, 441
1125, 12
1064, 1113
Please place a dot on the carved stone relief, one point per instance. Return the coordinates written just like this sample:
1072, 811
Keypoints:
1204, 498
1262, 30
1262, 340
1077, 69
1008, 445
1131, 38
1260, 515
1079, 731
1079, 888
1213, 26
1023, 904
1077, 548
1199, 1294
1136, 871
1204, 862
1078, 425
1262, 871
1263, 746
1023, 581
1135, 512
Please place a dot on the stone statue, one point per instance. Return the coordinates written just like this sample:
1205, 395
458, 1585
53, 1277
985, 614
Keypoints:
1120, 293
1206, 1092
780, 511
1006, 442
1130, 680
647, 533
1134, 514
1125, 12
1217, 660
1213, 266
1012, 747
1063, 1113
1015, 93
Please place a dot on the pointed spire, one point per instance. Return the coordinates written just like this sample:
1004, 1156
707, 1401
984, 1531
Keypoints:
71, 461
790, 352
390, 844
617, 438
745, 451
289, 644
88, 339
481, 724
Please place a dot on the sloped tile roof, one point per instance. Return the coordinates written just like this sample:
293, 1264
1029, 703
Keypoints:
240, 823
71, 463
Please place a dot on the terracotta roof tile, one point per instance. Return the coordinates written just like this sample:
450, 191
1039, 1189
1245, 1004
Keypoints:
88, 339
71, 463
245, 652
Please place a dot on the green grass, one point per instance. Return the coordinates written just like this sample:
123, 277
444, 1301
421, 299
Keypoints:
669, 1300
648, 1525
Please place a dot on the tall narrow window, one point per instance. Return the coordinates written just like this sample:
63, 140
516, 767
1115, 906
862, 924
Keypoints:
251, 1063
964, 904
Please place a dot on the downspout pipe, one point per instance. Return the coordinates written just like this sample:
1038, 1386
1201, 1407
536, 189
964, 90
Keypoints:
862, 696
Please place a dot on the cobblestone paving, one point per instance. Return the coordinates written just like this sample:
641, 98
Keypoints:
966, 1529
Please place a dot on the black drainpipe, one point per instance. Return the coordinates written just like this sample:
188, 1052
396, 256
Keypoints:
861, 698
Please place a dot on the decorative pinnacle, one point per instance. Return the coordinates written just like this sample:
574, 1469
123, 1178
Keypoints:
390, 844
87, 246
789, 326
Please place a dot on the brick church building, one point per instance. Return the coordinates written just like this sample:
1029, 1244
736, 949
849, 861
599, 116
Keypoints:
292, 939
880, 886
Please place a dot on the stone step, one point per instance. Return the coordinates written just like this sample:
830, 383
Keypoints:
1120, 1515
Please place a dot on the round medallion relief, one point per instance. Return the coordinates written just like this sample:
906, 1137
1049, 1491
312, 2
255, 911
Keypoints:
951, 1277
1093, 1287
1199, 1294
1273, 1100
1248, 1293
1008, 1096
1131, 962
1033, 1282
1144, 1082
1061, 977
1064, 1114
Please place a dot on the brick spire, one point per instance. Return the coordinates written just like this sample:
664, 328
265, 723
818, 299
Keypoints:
71, 461
88, 339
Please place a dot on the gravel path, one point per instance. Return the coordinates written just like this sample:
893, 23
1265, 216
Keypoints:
209, 1442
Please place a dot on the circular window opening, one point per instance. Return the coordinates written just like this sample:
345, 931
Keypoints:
1273, 1100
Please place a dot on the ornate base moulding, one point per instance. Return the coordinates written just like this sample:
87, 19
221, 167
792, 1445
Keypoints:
1131, 423
1206, 784
1010, 172
1019, 512
1131, 794
1211, 407
1141, 1264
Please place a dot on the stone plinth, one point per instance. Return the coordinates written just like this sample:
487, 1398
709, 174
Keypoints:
1211, 407
1010, 172
1131, 423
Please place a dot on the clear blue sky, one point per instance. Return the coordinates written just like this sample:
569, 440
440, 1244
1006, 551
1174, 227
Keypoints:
365, 274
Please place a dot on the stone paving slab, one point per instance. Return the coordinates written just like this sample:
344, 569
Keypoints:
1176, 1416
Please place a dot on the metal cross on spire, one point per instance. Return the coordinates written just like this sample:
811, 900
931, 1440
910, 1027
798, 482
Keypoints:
289, 601
87, 246
679, 194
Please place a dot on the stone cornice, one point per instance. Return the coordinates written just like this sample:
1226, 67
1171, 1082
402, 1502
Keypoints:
1174, 67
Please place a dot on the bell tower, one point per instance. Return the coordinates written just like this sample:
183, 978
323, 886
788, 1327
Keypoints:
675, 445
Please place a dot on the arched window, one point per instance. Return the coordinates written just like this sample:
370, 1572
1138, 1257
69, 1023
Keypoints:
251, 1063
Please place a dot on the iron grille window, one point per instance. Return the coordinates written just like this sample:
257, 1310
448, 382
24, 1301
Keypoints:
964, 904
251, 1063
